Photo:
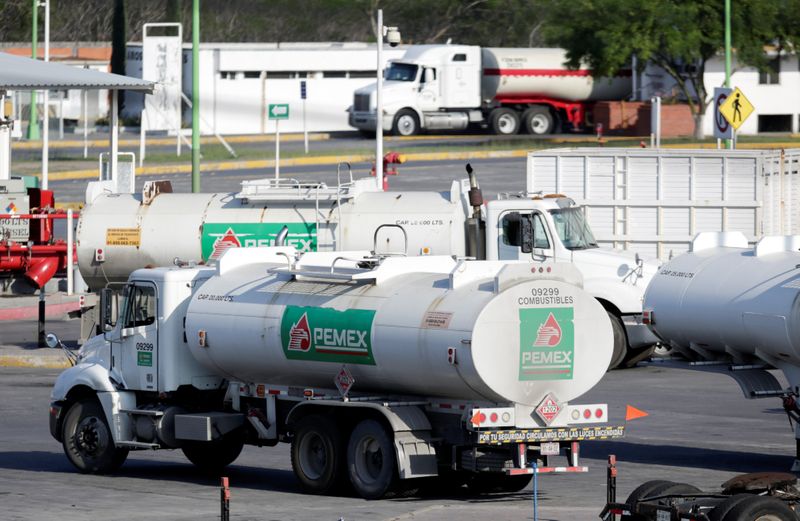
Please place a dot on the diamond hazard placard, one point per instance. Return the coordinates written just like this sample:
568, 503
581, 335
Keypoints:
344, 381
548, 409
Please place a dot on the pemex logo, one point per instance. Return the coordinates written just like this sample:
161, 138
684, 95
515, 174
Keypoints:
224, 243
300, 335
549, 333
546, 343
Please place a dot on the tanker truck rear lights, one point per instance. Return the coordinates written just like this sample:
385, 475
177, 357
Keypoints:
201, 338
648, 317
99, 255
492, 417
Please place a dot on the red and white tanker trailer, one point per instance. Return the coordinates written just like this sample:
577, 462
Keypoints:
377, 369
450, 87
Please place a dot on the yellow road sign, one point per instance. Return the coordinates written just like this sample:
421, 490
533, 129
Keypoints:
736, 108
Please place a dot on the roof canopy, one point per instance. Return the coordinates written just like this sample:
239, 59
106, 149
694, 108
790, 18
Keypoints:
17, 73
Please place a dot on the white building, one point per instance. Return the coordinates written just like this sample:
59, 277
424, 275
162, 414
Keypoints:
775, 95
239, 81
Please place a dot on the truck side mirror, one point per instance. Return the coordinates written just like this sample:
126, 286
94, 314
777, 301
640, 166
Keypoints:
526, 234
107, 318
518, 230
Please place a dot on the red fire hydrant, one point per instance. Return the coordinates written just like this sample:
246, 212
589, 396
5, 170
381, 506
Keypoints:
389, 159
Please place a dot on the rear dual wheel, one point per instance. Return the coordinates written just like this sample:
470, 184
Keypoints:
317, 454
749, 507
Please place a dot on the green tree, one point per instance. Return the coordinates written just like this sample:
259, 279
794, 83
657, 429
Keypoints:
680, 36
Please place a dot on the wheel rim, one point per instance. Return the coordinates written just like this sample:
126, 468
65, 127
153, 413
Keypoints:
92, 436
369, 460
406, 125
539, 123
313, 456
506, 124
768, 517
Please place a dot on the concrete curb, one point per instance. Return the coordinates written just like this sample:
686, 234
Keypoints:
56, 360
300, 161
205, 140
52, 311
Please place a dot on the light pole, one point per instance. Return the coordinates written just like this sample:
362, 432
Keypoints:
393, 36
46, 101
33, 127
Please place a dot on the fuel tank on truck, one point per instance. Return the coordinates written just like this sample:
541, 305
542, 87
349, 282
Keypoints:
527, 73
431, 326
725, 299
134, 231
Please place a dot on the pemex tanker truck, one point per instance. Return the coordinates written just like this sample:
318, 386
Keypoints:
450, 87
378, 370
730, 308
119, 233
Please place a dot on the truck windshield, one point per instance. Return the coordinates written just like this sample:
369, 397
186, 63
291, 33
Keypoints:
572, 229
401, 72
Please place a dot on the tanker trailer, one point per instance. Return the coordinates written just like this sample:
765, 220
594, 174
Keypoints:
733, 309
119, 233
376, 369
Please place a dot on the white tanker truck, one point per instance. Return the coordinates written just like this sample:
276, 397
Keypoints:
449, 87
119, 233
733, 309
377, 369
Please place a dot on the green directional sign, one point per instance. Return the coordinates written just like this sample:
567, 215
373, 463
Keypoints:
278, 111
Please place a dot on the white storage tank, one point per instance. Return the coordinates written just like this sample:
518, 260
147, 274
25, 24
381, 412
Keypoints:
421, 325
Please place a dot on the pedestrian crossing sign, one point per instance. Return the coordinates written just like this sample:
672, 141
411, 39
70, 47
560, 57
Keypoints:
736, 109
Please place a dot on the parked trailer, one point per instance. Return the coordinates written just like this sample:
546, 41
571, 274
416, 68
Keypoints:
728, 308
654, 201
381, 369
119, 233
449, 87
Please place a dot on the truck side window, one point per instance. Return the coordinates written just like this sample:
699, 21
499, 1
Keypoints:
460, 57
512, 235
428, 75
141, 306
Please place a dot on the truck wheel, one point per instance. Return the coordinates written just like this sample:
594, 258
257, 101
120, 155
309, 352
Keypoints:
213, 456
504, 121
317, 454
720, 511
653, 489
406, 123
538, 121
371, 462
87, 440
620, 342
759, 508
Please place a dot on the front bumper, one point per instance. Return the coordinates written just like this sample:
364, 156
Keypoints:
56, 419
366, 121
639, 335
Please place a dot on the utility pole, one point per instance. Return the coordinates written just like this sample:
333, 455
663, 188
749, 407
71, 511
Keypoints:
728, 142
33, 127
195, 96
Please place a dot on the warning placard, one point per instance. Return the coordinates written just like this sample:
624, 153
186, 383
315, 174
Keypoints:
123, 237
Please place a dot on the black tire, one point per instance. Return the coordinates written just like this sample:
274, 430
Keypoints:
88, 442
406, 123
371, 462
760, 507
620, 342
721, 510
654, 489
538, 121
213, 456
488, 482
317, 455
504, 121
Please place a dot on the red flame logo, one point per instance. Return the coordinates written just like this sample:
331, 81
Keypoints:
300, 335
549, 333
229, 240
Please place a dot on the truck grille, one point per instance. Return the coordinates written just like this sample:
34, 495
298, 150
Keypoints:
361, 103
